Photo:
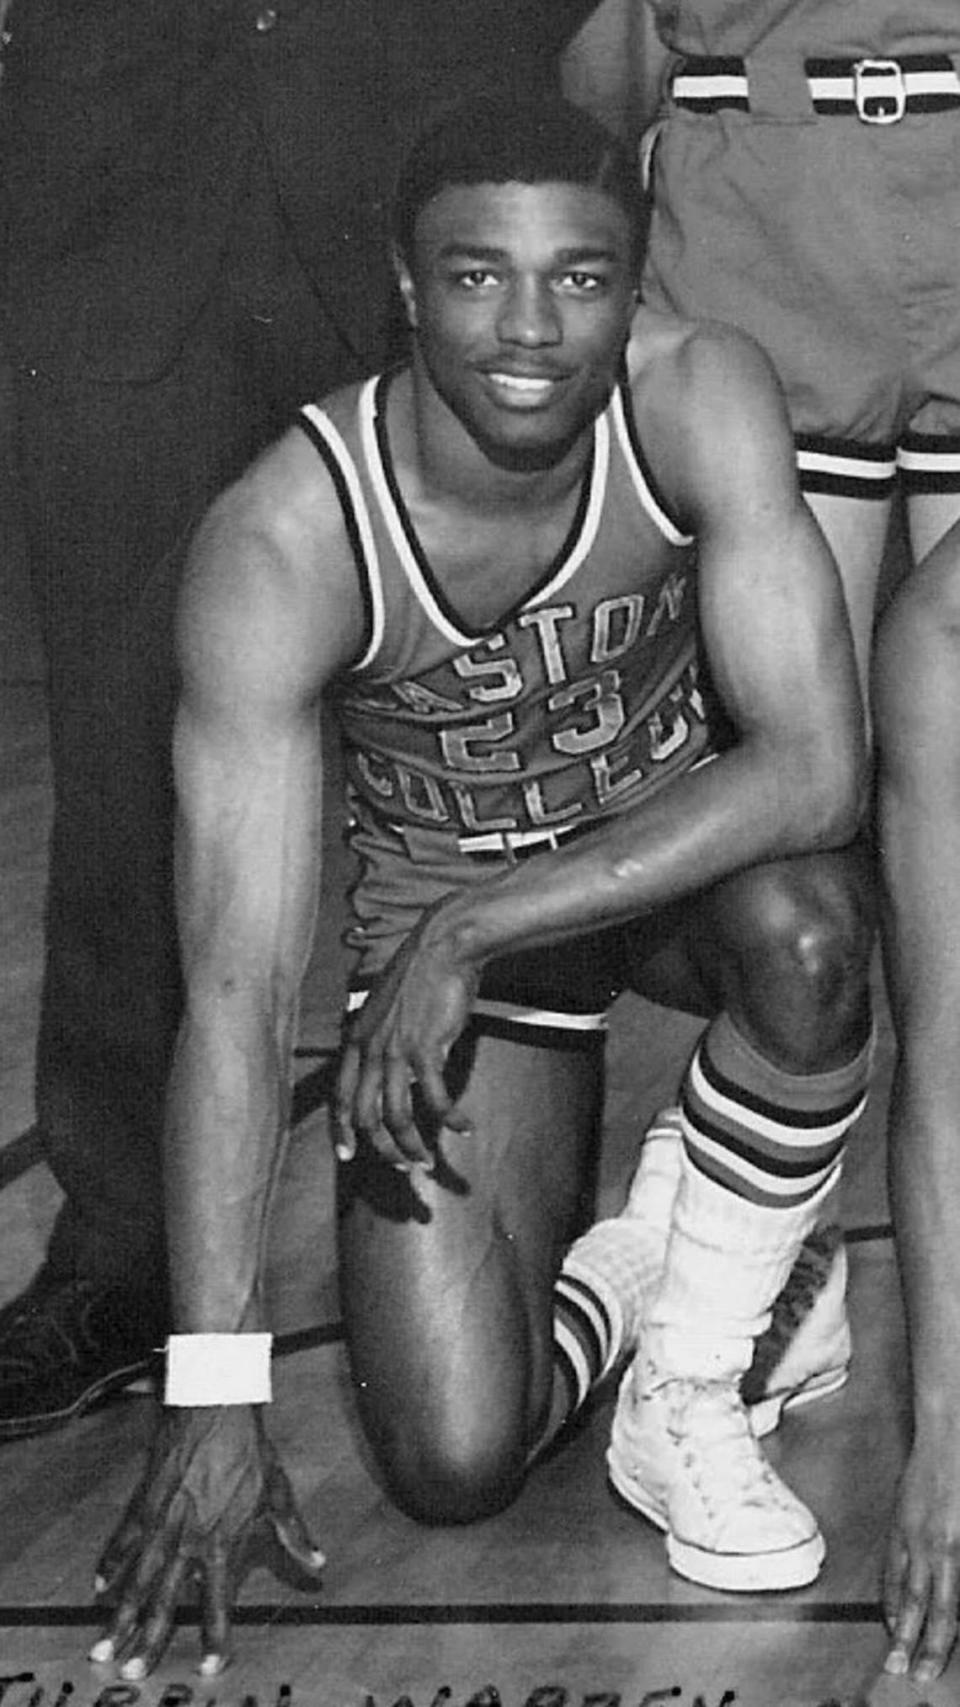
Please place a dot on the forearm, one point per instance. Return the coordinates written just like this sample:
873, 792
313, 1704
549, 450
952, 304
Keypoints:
226, 1128
744, 807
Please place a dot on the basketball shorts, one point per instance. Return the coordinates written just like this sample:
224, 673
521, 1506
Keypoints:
836, 245
558, 995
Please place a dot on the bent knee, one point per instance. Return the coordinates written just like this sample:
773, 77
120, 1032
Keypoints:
804, 955
454, 1481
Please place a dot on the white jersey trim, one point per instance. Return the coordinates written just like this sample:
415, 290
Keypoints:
371, 565
411, 568
591, 521
648, 502
407, 558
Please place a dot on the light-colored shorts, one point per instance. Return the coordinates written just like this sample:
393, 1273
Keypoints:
836, 245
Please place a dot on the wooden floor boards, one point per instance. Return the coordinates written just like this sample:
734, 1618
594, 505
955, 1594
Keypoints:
564, 1598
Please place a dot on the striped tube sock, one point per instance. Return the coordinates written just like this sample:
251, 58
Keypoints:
772, 1137
587, 1330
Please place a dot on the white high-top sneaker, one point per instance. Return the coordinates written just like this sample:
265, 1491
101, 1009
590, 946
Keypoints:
805, 1353
682, 1450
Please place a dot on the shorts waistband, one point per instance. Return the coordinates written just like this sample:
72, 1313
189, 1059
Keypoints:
876, 91
513, 845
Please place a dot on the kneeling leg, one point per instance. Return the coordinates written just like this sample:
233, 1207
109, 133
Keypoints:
447, 1276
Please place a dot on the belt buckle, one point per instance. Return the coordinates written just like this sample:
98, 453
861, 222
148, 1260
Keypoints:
879, 91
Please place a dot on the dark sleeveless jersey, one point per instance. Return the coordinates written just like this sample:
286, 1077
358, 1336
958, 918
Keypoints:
579, 701
803, 29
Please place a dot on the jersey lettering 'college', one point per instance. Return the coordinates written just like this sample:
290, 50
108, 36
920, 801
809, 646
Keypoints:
580, 700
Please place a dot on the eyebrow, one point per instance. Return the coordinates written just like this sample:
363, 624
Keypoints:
565, 257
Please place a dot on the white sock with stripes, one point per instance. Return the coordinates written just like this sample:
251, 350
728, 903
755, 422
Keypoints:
772, 1137
611, 1270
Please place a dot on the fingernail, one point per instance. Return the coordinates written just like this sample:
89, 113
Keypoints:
102, 1652
212, 1665
926, 1671
317, 1559
99, 1584
134, 1670
897, 1663
343, 1152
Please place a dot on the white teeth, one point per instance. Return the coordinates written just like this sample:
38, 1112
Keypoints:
521, 382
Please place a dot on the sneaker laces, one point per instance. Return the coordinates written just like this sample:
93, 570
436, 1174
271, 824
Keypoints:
708, 1424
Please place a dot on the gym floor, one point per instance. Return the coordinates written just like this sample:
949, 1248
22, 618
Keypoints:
568, 1594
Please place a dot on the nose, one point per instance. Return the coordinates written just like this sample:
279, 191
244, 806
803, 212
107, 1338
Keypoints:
529, 315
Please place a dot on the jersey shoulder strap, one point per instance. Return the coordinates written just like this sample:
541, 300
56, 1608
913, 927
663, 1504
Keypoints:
328, 441
644, 484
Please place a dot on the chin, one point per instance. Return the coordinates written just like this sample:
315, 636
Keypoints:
527, 455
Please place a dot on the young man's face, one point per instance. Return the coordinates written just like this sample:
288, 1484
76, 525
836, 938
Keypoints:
521, 296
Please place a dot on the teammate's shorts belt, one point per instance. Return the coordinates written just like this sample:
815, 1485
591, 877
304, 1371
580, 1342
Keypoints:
877, 91
512, 845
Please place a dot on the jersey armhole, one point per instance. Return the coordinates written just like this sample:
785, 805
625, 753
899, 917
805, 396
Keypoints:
645, 484
340, 465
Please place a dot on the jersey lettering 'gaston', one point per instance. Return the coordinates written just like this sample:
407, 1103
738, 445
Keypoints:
577, 702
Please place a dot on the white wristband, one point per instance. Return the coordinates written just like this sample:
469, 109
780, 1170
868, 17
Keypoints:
218, 1369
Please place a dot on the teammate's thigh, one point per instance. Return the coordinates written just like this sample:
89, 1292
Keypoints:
447, 1277
856, 532
930, 516
786, 947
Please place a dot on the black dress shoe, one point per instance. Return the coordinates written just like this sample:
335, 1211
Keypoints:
67, 1345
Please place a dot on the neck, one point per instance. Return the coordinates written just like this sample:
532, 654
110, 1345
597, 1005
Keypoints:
452, 465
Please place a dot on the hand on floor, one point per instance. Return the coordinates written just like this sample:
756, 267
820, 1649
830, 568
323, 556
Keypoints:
213, 1480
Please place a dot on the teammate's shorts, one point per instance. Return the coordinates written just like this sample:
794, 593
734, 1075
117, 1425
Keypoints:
561, 994
836, 244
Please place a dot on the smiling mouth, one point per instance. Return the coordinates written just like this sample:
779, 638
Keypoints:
522, 387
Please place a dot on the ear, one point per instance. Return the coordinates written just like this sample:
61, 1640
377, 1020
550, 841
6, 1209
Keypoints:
406, 286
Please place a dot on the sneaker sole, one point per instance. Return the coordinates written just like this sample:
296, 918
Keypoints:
133, 1377
766, 1414
738, 1573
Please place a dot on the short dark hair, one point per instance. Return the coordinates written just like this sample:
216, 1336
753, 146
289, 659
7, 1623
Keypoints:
540, 139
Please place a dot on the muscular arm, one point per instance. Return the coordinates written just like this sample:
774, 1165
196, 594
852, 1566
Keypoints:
268, 613
778, 644
918, 716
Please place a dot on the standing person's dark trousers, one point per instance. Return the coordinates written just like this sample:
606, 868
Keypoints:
192, 237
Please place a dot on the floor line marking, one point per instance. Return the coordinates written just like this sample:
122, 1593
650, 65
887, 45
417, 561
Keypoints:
574, 1612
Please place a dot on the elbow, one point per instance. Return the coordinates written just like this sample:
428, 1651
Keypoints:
834, 799
824, 791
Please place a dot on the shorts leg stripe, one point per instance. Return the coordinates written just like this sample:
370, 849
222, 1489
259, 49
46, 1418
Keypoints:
930, 462
846, 468
547, 1018
515, 1013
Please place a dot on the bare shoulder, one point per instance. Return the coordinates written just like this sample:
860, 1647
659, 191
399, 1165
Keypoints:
685, 366
271, 567
707, 404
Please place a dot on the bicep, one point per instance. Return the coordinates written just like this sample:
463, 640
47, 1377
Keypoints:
774, 623
773, 615
254, 656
